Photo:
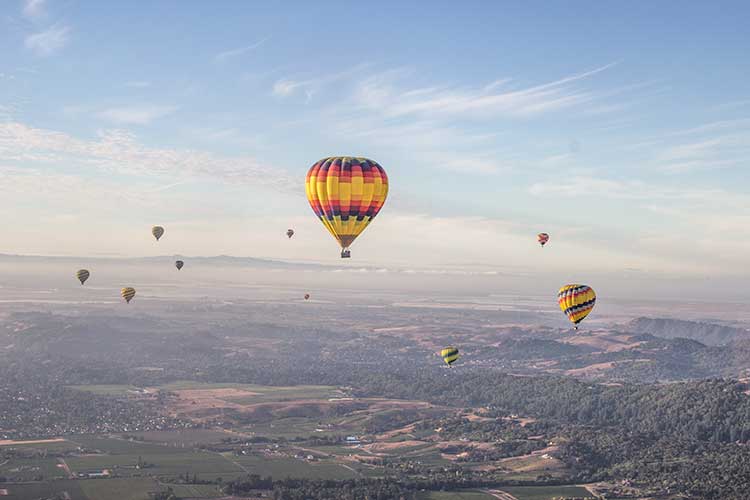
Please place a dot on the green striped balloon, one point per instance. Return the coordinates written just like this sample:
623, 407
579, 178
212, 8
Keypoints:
83, 275
449, 355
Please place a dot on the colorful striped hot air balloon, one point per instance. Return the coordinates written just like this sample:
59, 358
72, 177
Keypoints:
127, 293
449, 355
542, 238
178, 264
157, 231
346, 193
576, 302
83, 275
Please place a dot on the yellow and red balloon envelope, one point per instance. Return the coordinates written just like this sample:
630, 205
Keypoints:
346, 193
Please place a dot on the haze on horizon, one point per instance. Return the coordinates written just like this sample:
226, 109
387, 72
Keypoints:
622, 130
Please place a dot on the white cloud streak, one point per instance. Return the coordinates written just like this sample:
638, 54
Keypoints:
119, 151
286, 87
49, 41
633, 190
33, 9
136, 115
380, 93
229, 54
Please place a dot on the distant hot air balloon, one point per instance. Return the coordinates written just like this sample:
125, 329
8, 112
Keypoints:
307, 296
178, 264
346, 193
290, 232
576, 302
83, 275
542, 238
449, 355
127, 293
157, 231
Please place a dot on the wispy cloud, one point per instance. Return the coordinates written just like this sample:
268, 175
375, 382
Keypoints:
722, 125
581, 186
445, 147
285, 87
706, 226
708, 150
715, 145
229, 54
169, 186
49, 41
743, 103
34, 9
136, 115
119, 151
691, 150
496, 98
382, 110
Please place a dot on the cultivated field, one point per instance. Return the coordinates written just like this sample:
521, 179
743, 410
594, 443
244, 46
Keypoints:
545, 492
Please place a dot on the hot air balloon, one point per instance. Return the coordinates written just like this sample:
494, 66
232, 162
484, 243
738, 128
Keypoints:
83, 275
542, 238
157, 231
290, 232
178, 264
576, 302
127, 293
307, 296
449, 355
346, 193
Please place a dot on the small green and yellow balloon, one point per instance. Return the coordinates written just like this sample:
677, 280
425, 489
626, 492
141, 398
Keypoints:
83, 275
127, 293
449, 355
157, 231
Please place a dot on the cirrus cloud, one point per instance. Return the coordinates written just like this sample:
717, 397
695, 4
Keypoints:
49, 41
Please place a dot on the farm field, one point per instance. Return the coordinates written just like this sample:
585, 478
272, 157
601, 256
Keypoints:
108, 390
457, 495
246, 393
34, 491
115, 446
259, 393
195, 490
31, 469
170, 465
291, 427
40, 444
187, 437
280, 468
546, 492
121, 489
121, 457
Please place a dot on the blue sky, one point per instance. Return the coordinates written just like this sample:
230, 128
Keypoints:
623, 130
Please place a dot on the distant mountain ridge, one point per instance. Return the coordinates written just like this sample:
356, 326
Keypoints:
221, 260
705, 333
